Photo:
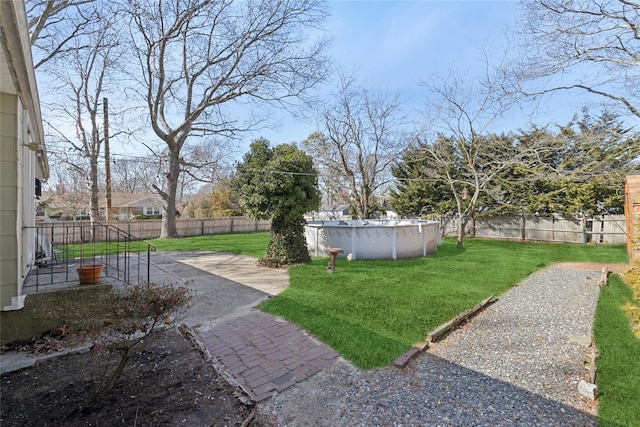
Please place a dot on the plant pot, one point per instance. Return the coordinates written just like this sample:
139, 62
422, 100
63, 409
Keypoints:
89, 274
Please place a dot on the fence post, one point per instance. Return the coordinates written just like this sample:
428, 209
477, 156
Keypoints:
584, 231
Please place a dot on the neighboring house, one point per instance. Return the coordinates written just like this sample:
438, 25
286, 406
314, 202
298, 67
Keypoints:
124, 206
343, 212
632, 216
60, 204
23, 160
388, 211
334, 212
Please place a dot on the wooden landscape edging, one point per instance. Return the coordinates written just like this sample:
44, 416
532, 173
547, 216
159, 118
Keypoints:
439, 332
442, 330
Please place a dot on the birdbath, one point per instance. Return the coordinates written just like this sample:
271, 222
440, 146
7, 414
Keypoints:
333, 253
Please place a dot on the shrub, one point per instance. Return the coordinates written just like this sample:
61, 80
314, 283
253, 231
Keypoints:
287, 246
143, 217
137, 312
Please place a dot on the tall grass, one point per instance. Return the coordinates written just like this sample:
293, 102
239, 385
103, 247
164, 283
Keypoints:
372, 311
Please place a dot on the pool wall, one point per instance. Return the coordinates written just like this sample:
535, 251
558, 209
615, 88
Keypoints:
374, 239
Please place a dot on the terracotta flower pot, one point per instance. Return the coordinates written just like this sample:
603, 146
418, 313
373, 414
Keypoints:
89, 274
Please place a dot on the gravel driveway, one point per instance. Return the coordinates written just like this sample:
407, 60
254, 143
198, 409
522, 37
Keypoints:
515, 364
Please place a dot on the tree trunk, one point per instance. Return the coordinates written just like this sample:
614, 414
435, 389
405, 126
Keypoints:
364, 205
461, 225
365, 211
168, 194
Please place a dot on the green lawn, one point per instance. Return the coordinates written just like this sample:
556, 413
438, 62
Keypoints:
250, 244
99, 249
373, 311
618, 367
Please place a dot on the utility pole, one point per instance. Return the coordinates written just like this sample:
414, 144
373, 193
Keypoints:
107, 161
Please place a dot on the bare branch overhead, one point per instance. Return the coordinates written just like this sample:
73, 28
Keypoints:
591, 46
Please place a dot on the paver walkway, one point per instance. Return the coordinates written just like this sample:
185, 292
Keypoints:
266, 354
263, 353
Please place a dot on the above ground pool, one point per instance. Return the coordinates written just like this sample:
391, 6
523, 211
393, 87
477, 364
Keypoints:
374, 239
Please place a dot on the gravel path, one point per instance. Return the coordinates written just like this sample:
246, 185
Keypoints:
551, 312
515, 364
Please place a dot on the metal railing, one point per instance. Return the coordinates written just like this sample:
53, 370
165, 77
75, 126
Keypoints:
60, 248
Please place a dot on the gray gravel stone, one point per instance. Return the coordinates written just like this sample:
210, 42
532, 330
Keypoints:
512, 365
588, 390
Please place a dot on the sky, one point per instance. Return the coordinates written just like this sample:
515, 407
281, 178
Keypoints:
394, 45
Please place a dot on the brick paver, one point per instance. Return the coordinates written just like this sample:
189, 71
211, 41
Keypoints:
266, 354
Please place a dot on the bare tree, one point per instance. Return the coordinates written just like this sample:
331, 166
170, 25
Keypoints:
85, 74
54, 25
463, 152
197, 56
135, 174
330, 180
592, 46
361, 138
205, 161
202, 162
67, 184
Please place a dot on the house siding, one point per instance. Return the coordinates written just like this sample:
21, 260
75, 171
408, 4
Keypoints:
22, 153
26, 197
9, 286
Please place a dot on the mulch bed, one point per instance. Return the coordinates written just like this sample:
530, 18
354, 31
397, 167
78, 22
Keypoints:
169, 383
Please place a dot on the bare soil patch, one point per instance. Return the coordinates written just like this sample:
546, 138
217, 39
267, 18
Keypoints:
169, 383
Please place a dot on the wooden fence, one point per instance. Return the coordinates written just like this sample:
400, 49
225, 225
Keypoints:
150, 228
609, 230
